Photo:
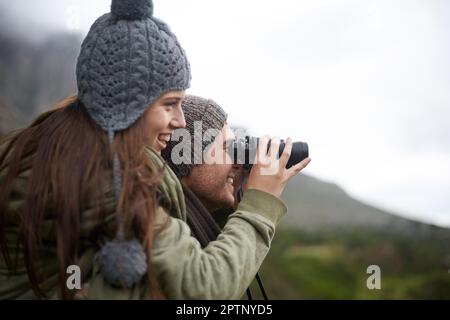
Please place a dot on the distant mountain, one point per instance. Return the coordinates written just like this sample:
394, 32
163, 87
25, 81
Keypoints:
34, 75
314, 204
10, 118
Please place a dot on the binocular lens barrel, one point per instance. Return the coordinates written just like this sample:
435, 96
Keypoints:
244, 152
299, 152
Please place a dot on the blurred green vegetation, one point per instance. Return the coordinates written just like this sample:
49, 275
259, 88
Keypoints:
332, 264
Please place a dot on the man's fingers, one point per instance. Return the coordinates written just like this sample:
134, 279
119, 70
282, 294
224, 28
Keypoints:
286, 152
274, 147
292, 171
262, 150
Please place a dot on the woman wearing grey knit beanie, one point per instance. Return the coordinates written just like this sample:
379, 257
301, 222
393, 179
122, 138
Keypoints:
84, 186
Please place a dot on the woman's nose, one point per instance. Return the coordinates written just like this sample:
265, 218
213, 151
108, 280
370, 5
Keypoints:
178, 120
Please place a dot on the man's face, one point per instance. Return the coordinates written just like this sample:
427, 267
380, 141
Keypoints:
213, 183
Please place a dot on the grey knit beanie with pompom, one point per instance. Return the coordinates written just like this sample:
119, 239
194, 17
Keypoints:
127, 61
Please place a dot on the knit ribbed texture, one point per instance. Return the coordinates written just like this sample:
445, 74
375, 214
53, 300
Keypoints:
131, 9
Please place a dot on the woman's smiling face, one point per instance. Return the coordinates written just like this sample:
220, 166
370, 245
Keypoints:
163, 117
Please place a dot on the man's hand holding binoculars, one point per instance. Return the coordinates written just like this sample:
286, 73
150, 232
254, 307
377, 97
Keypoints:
269, 173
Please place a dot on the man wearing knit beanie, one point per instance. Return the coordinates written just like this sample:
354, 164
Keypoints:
201, 115
207, 187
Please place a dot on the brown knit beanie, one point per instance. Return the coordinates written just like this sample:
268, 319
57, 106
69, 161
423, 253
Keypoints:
195, 109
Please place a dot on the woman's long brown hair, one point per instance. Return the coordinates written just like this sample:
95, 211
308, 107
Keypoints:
71, 165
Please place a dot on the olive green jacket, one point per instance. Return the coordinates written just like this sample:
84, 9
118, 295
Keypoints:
222, 270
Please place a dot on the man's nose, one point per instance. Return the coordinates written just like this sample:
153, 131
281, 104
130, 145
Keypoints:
178, 120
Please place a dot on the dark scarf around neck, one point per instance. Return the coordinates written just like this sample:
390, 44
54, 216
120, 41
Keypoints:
204, 228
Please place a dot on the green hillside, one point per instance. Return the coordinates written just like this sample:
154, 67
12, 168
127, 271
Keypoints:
332, 265
328, 239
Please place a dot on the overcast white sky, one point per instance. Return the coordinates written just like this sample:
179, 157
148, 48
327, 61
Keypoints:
365, 82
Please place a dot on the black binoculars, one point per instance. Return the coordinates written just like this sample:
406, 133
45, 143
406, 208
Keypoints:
243, 151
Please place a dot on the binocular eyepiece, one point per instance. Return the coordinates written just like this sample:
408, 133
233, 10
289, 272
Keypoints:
243, 151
